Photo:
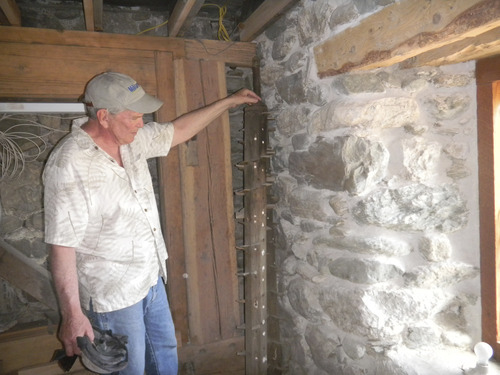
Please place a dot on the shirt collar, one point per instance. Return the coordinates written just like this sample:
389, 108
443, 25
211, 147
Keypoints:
84, 140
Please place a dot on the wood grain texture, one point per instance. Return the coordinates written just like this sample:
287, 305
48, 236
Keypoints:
404, 30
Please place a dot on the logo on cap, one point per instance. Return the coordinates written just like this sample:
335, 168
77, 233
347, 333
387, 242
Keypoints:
133, 87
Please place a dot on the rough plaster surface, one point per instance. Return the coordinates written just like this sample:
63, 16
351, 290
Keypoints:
378, 211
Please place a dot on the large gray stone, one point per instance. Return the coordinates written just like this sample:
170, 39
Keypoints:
354, 347
422, 336
296, 61
291, 88
435, 247
307, 203
344, 163
458, 170
381, 245
448, 107
283, 45
390, 112
343, 14
453, 80
414, 208
360, 83
22, 196
380, 315
279, 27
303, 297
363, 271
312, 21
421, 158
440, 275
324, 342
292, 120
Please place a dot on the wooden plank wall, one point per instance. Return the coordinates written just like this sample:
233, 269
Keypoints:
195, 179
210, 312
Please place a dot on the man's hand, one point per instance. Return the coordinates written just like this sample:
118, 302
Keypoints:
243, 96
74, 323
71, 328
189, 124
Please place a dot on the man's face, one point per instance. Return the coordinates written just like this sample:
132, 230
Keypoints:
124, 126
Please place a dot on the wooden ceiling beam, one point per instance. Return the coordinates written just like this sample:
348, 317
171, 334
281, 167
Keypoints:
10, 14
182, 16
267, 13
233, 54
408, 29
473, 48
93, 14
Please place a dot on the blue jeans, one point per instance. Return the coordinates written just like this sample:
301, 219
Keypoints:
152, 346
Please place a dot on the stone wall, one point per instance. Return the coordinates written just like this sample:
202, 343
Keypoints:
21, 205
378, 246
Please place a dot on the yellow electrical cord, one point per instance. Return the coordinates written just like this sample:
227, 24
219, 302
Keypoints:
222, 33
152, 28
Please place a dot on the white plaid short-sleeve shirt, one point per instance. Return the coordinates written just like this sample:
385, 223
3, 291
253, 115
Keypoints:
108, 213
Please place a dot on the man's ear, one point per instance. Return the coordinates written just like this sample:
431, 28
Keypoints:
103, 117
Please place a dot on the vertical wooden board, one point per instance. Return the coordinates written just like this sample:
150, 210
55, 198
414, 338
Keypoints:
203, 316
487, 72
496, 172
214, 358
205, 261
221, 202
170, 199
187, 211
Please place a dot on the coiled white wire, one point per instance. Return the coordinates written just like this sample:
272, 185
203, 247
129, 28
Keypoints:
19, 147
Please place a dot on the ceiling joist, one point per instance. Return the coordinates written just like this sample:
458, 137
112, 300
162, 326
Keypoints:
267, 13
182, 16
419, 32
10, 15
93, 14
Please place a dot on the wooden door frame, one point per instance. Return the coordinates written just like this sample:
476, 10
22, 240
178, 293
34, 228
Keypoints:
488, 97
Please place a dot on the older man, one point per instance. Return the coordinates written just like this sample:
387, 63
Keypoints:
108, 254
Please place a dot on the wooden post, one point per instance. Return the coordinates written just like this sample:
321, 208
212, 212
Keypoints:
255, 238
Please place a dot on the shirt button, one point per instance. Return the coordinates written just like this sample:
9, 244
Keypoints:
97, 148
145, 210
154, 229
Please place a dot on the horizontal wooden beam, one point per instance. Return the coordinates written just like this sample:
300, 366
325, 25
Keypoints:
25, 274
231, 53
404, 30
11, 15
473, 48
182, 15
268, 12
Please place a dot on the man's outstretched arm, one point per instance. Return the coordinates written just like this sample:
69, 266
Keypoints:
189, 124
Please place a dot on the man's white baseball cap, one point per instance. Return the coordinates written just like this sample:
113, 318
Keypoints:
119, 92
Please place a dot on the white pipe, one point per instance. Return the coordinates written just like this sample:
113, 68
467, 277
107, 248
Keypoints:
42, 108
